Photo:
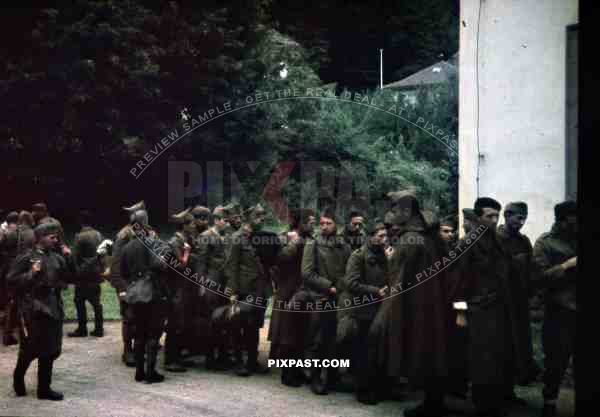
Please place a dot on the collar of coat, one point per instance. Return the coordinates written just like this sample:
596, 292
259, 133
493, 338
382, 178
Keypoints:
377, 253
504, 233
556, 233
333, 241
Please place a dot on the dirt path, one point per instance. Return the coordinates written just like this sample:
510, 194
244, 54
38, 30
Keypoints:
95, 383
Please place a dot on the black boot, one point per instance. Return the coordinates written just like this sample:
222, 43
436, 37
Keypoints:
333, 377
140, 373
98, 320
253, 365
316, 384
44, 392
242, 369
151, 354
79, 332
291, 377
173, 354
211, 360
128, 357
19, 376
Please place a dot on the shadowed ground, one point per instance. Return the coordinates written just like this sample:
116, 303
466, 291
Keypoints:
95, 383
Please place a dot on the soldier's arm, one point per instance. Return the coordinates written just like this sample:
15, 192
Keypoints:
233, 266
311, 277
79, 264
460, 276
353, 280
201, 255
530, 270
546, 274
115, 277
174, 250
20, 274
124, 273
68, 271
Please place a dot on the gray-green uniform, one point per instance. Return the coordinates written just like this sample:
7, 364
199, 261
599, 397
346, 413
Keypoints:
323, 267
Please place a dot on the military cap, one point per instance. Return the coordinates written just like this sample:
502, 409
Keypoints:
183, 217
375, 225
469, 214
12, 217
406, 206
200, 211
355, 213
39, 207
140, 205
396, 196
45, 229
300, 215
220, 212
251, 213
234, 209
448, 221
517, 207
485, 202
25, 217
565, 209
139, 217
329, 212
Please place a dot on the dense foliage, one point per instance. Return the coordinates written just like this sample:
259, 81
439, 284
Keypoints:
89, 87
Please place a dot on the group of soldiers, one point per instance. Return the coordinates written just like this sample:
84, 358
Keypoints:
400, 296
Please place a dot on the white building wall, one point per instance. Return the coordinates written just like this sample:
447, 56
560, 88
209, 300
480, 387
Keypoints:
521, 78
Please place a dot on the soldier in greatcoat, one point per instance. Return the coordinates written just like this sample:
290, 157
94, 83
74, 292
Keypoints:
38, 276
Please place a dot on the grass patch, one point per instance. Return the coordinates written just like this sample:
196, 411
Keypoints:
108, 299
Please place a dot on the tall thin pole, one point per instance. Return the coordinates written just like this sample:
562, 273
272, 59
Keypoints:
381, 68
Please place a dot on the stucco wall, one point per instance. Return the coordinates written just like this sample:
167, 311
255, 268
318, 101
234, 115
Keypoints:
521, 72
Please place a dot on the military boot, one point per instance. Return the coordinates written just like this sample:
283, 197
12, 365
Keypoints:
151, 355
19, 376
173, 354
44, 392
316, 383
140, 372
128, 357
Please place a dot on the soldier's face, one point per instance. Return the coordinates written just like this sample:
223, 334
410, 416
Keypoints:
37, 215
393, 231
515, 222
236, 221
467, 226
220, 222
189, 228
489, 217
380, 238
201, 221
327, 226
48, 241
446, 233
309, 226
357, 223
258, 221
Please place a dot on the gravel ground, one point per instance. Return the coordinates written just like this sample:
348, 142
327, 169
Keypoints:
96, 383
